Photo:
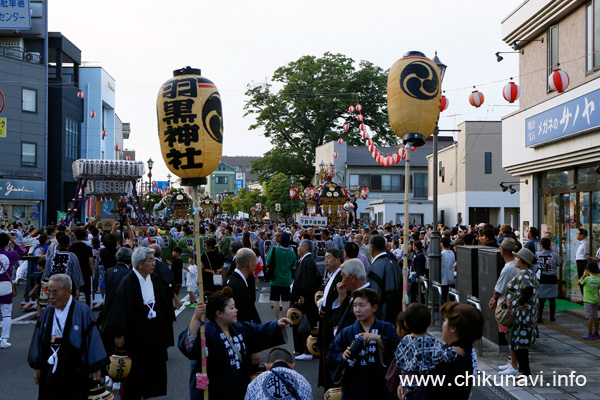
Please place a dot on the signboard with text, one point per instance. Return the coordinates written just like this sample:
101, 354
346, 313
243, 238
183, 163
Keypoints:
572, 117
21, 189
239, 180
318, 221
14, 14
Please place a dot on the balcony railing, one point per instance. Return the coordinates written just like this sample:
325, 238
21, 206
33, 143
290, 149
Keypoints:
17, 53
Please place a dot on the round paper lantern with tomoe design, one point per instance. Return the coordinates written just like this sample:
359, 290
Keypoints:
414, 97
190, 125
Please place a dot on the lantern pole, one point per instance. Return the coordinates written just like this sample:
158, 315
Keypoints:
405, 239
200, 281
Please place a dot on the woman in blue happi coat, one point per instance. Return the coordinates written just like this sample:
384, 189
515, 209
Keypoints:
362, 369
230, 345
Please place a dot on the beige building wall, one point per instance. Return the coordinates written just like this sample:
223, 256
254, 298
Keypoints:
570, 18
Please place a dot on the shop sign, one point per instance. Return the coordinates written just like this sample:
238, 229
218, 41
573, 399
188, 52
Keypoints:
19, 189
15, 15
572, 117
2, 127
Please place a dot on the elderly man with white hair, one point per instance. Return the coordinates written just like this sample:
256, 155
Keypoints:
141, 320
66, 346
354, 277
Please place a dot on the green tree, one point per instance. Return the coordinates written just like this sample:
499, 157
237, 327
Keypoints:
149, 201
228, 205
311, 107
277, 190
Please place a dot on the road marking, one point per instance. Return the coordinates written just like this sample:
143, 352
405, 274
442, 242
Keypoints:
182, 306
264, 298
18, 321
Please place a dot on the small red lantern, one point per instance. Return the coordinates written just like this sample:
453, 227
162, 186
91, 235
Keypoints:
558, 80
116, 147
371, 148
360, 117
335, 154
127, 158
369, 143
358, 108
362, 127
365, 135
80, 94
346, 126
310, 192
92, 114
351, 109
103, 134
340, 141
444, 104
293, 193
364, 192
476, 98
511, 92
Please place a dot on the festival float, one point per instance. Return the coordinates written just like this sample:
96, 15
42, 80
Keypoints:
327, 199
110, 187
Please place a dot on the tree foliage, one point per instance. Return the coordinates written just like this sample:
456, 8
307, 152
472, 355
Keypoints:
309, 106
277, 190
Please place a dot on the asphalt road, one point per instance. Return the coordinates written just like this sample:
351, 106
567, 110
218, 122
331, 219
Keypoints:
16, 378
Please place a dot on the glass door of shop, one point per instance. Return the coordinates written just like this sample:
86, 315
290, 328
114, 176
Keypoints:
570, 200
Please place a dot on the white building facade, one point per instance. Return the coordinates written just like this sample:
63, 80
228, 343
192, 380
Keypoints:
469, 176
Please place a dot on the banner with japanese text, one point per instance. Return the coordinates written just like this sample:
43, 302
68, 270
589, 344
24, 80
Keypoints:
572, 117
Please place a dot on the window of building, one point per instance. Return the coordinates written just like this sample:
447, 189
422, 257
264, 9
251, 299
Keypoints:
397, 183
28, 154
375, 182
221, 180
593, 35
72, 139
488, 163
29, 100
420, 187
414, 219
552, 51
386, 183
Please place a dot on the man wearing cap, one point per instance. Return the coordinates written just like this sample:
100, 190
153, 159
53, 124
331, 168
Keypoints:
152, 238
509, 271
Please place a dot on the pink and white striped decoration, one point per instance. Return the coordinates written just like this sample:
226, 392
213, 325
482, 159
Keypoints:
558, 80
511, 92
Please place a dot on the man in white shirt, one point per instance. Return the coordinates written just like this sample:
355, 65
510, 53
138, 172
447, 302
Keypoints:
582, 254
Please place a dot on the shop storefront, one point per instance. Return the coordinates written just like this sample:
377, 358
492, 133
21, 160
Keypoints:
569, 200
21, 200
553, 148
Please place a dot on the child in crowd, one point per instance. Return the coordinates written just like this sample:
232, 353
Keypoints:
418, 353
590, 283
177, 269
258, 271
392, 375
35, 292
192, 277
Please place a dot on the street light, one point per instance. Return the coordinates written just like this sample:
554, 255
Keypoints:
150, 165
169, 182
435, 255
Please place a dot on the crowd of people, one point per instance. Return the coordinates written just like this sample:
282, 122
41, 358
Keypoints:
346, 282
